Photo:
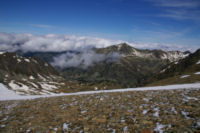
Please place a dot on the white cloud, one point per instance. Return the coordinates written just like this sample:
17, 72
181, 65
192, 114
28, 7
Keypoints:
178, 3
179, 9
181, 14
83, 60
57, 43
50, 42
42, 26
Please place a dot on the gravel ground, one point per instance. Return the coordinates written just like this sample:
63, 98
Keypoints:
127, 112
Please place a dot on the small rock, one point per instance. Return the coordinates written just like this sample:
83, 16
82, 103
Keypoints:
147, 122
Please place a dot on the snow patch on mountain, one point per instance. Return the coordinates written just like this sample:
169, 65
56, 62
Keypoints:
1, 52
27, 60
41, 77
184, 76
33, 84
175, 55
31, 77
197, 73
18, 86
141, 54
48, 86
30, 87
172, 56
19, 60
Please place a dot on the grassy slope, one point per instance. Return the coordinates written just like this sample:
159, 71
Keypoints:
76, 86
193, 78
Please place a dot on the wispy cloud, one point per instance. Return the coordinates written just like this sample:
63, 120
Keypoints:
179, 9
167, 38
42, 26
182, 14
161, 33
177, 3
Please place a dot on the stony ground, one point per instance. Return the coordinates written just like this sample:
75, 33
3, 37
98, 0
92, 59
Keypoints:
127, 112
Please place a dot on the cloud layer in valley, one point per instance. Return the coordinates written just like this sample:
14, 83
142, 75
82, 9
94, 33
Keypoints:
50, 42
83, 60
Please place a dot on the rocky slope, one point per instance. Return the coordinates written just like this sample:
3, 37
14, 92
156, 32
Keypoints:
126, 50
186, 70
28, 75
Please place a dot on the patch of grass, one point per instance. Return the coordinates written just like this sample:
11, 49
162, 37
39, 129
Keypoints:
193, 78
76, 86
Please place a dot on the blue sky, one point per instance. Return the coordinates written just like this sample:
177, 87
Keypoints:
147, 21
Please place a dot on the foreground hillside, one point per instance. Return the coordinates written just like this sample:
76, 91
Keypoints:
133, 111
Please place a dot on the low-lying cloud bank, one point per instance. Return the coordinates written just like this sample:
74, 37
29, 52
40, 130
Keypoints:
83, 60
56, 43
50, 42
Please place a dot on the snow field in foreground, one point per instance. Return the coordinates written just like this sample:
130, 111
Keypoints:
6, 94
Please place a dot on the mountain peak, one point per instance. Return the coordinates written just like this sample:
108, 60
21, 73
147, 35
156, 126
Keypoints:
124, 45
124, 48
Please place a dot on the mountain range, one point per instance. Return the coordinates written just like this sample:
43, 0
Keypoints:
117, 66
